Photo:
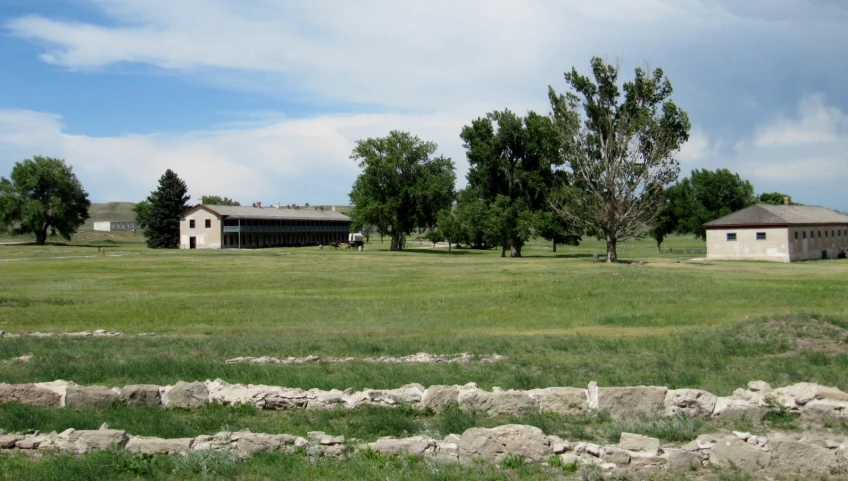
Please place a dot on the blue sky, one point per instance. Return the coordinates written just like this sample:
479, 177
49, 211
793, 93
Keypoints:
263, 99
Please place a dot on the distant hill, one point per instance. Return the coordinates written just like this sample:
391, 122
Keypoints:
111, 211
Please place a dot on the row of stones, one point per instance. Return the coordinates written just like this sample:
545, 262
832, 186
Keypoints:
780, 452
813, 401
419, 358
95, 333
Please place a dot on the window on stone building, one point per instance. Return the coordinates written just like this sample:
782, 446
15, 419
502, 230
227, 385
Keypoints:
208, 223
761, 236
191, 224
731, 236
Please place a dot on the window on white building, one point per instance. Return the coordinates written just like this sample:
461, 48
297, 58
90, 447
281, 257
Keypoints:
731, 236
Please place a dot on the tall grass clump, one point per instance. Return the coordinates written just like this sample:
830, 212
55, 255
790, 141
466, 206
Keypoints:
679, 428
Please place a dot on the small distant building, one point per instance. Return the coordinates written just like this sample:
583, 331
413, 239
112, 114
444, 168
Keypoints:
112, 226
781, 233
243, 227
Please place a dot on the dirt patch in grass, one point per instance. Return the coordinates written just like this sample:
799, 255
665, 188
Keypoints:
804, 334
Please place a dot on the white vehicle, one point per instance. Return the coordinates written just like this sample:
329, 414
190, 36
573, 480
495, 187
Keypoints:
355, 239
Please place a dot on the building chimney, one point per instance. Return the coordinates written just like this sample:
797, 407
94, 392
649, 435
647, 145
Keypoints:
200, 202
276, 205
786, 200
259, 205
334, 208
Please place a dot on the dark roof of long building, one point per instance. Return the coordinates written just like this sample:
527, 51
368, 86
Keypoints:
281, 213
779, 215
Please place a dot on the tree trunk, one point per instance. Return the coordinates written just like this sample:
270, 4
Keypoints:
612, 256
450, 244
554, 246
41, 236
514, 251
658, 246
397, 242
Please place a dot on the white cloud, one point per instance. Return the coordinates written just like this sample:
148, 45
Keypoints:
817, 124
804, 154
444, 61
697, 148
406, 53
286, 160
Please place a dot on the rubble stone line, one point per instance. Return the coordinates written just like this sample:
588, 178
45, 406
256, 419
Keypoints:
814, 403
419, 358
779, 452
96, 333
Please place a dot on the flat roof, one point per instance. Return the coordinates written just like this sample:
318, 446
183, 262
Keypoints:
269, 213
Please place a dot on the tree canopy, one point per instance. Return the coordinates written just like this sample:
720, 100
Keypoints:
218, 200
43, 197
707, 195
619, 151
167, 202
403, 185
774, 198
510, 159
142, 213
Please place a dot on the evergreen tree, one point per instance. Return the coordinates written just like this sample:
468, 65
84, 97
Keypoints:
167, 203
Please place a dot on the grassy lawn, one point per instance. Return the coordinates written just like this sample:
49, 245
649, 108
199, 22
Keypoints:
562, 319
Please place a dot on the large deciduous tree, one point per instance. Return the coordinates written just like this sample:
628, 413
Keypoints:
707, 195
403, 185
43, 197
510, 160
167, 202
619, 150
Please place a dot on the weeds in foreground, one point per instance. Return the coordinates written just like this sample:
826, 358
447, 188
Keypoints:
778, 417
679, 428
207, 464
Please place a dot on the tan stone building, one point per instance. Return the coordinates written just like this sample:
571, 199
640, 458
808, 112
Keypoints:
228, 227
781, 233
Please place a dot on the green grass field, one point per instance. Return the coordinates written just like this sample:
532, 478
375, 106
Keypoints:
562, 319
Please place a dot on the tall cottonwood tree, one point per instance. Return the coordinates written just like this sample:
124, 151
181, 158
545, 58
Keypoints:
43, 197
620, 151
510, 160
167, 202
403, 185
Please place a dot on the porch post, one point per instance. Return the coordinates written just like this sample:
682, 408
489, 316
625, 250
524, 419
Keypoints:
239, 227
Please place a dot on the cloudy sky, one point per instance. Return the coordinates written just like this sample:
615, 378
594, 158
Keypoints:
263, 99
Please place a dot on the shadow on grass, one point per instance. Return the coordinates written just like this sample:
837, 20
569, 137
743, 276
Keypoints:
106, 243
465, 252
444, 252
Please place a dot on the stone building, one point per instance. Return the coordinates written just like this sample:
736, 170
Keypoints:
113, 226
781, 233
229, 227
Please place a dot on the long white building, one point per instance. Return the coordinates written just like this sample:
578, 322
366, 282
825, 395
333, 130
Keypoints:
229, 227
